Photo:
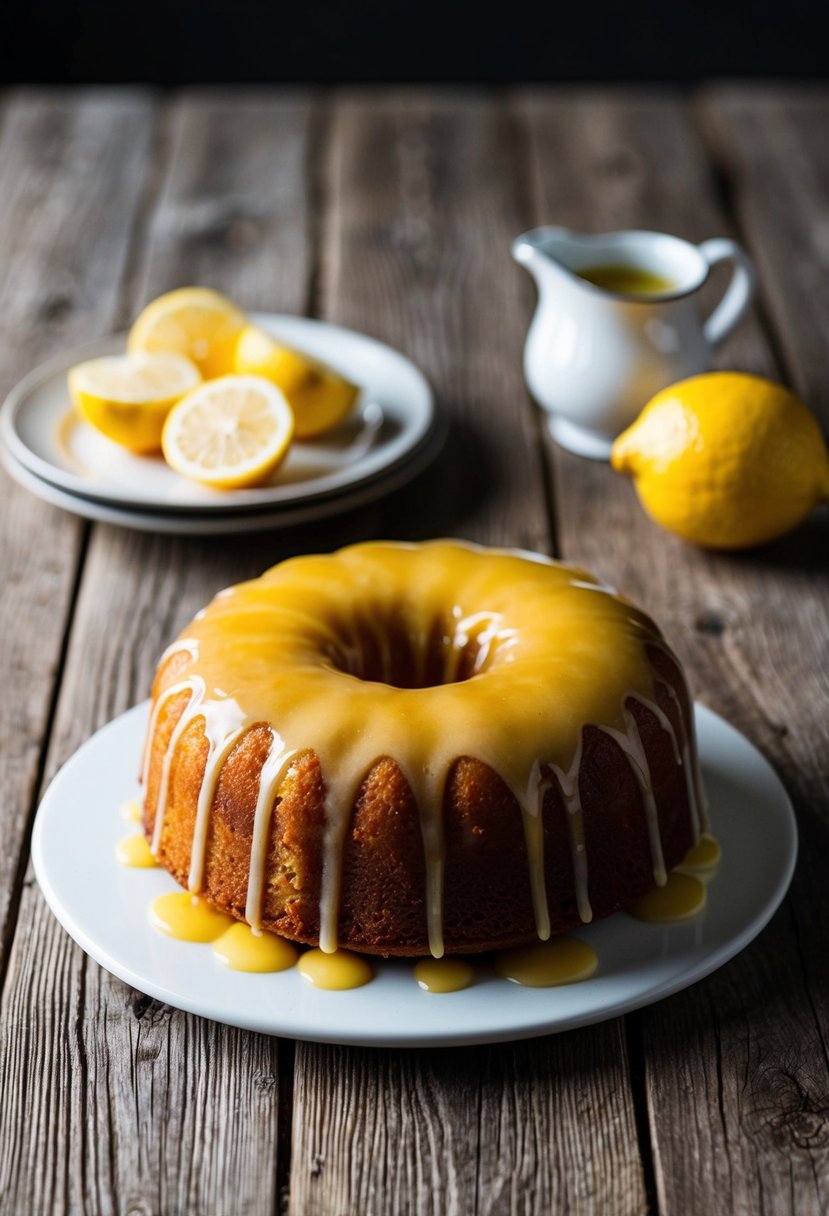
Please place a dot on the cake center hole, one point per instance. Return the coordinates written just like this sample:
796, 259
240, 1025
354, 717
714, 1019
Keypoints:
384, 650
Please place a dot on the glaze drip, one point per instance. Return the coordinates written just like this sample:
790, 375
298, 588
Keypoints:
423, 653
569, 786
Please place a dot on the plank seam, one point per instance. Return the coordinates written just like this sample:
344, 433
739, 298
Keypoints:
790, 907
318, 152
286, 1065
520, 145
477, 1203
40, 770
83, 1088
158, 154
159, 160
727, 190
637, 1080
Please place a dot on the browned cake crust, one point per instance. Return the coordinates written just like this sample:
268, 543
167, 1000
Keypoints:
487, 901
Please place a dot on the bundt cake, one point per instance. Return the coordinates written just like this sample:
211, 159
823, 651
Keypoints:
403, 748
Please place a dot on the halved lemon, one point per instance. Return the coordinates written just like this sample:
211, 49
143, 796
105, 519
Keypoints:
319, 396
229, 433
128, 397
193, 321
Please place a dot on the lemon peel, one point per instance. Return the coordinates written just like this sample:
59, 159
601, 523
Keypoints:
726, 460
319, 396
197, 322
128, 397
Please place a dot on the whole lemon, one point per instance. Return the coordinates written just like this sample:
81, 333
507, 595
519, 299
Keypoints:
725, 460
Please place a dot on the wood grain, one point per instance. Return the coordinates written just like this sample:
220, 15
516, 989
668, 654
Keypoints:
392, 211
134, 1106
737, 1085
235, 212
415, 250
71, 183
424, 197
544, 1142
771, 150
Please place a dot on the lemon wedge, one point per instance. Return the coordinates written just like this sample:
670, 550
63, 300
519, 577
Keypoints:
193, 321
726, 460
229, 433
319, 396
128, 397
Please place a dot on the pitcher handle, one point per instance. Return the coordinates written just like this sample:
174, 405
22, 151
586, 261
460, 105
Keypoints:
738, 294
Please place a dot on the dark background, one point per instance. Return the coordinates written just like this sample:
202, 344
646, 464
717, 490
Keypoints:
257, 41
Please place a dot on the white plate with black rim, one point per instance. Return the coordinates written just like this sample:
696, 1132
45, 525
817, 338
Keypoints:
104, 907
392, 417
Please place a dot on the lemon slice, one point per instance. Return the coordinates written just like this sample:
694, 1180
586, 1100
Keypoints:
228, 433
194, 321
319, 396
128, 397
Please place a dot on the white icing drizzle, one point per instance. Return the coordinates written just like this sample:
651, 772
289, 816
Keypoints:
216, 756
182, 645
225, 725
532, 817
693, 777
428, 791
690, 755
273, 774
333, 848
153, 723
196, 689
665, 722
569, 786
631, 744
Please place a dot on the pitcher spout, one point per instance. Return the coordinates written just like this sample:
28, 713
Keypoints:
536, 250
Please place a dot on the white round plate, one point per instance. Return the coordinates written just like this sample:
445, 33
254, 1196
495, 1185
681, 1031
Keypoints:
214, 523
392, 417
104, 907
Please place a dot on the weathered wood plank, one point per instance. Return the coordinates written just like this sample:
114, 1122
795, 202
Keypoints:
134, 1106
737, 1081
559, 1108
120, 1104
519, 1128
416, 252
71, 177
234, 214
770, 145
424, 195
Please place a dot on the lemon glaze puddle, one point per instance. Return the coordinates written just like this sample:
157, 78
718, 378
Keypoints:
564, 960
241, 949
188, 918
545, 627
131, 811
335, 971
703, 858
682, 897
135, 852
443, 974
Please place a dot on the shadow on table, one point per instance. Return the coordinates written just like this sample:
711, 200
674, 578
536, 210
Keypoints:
806, 548
438, 502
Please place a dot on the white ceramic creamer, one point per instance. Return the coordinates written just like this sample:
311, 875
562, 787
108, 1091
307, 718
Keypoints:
594, 357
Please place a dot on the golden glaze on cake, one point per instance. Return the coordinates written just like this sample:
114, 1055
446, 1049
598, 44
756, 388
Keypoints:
408, 747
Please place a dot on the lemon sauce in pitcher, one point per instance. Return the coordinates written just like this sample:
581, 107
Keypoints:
627, 280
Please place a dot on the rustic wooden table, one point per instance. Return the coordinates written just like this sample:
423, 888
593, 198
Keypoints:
392, 212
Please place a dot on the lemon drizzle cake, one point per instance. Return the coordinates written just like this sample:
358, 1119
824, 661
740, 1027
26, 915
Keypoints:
404, 748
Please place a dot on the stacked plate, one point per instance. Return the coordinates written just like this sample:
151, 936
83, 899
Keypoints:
392, 434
